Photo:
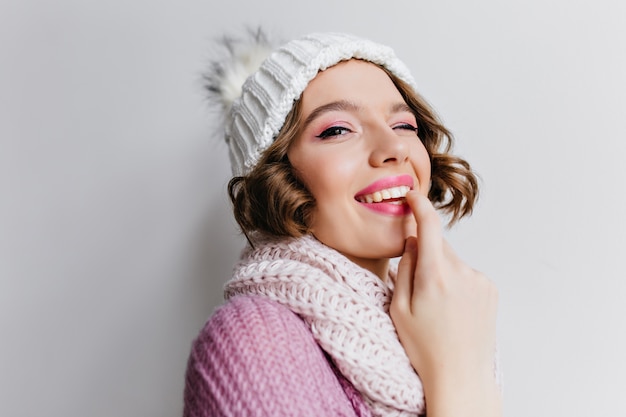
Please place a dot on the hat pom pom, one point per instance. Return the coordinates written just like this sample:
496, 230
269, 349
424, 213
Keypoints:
238, 59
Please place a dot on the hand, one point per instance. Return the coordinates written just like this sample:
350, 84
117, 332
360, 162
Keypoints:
445, 315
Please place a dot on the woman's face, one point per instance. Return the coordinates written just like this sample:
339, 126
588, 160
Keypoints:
358, 153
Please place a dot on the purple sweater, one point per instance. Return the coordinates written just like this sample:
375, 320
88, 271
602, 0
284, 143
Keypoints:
255, 358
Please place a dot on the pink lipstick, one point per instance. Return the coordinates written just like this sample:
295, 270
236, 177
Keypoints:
386, 196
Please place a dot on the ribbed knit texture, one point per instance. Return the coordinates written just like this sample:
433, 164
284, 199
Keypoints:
346, 308
268, 94
256, 358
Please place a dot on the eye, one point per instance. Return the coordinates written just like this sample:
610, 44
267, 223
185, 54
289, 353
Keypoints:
405, 126
334, 131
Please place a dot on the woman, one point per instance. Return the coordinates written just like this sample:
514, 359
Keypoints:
339, 165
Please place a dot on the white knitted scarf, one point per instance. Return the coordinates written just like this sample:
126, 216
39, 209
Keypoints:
346, 307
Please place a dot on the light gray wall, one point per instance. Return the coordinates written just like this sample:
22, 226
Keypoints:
115, 232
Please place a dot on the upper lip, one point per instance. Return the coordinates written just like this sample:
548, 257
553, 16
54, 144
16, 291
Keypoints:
387, 182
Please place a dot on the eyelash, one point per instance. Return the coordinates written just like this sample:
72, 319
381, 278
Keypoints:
340, 130
333, 131
406, 126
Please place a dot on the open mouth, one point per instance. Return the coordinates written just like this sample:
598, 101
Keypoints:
387, 195
392, 195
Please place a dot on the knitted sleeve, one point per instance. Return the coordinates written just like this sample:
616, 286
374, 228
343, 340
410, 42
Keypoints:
256, 358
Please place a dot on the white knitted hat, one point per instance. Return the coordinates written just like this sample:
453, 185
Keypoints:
255, 114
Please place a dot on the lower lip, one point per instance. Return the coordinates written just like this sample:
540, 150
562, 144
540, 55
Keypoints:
388, 208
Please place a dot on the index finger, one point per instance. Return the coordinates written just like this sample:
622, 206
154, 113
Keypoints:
429, 233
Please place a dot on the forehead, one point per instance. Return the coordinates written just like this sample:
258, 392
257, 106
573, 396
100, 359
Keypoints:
357, 81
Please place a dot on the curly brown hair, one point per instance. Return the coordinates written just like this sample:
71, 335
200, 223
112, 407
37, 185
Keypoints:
271, 199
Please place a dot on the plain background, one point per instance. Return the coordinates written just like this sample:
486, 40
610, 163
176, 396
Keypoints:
116, 234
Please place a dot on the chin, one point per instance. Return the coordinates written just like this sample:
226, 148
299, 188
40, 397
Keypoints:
396, 253
393, 250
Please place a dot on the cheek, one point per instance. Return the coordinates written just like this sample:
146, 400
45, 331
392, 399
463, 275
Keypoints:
330, 181
329, 174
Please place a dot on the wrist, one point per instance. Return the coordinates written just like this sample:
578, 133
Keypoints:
458, 394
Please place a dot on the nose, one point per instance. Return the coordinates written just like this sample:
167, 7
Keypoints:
388, 147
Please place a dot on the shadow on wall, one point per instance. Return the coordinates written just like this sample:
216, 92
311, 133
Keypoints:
215, 250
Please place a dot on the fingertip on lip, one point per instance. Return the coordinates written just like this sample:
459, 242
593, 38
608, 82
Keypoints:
413, 197
411, 193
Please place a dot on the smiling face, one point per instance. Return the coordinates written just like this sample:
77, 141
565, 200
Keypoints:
358, 153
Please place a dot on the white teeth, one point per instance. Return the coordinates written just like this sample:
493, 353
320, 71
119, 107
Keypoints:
386, 194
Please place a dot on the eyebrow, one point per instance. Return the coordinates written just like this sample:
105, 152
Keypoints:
341, 105
401, 107
344, 105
